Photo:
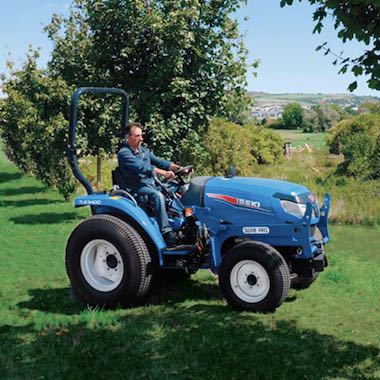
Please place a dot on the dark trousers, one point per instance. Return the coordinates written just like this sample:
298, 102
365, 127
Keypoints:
159, 206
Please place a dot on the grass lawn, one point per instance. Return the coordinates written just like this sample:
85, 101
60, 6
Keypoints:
329, 331
299, 139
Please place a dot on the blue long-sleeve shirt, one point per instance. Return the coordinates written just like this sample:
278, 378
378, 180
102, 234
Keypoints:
137, 167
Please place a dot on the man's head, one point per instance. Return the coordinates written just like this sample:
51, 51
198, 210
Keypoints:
134, 135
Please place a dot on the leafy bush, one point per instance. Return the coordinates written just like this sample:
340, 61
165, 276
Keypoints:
267, 145
243, 146
358, 139
275, 123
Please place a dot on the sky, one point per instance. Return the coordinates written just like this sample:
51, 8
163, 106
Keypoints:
281, 38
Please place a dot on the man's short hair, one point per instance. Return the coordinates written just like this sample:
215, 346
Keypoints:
129, 126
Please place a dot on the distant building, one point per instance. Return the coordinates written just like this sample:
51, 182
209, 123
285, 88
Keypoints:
268, 110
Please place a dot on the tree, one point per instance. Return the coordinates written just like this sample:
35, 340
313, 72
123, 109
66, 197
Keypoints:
181, 62
354, 20
328, 116
293, 116
322, 117
311, 121
33, 125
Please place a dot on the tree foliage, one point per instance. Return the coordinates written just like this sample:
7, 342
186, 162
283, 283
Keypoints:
33, 124
179, 61
358, 139
322, 117
242, 146
372, 107
293, 116
357, 20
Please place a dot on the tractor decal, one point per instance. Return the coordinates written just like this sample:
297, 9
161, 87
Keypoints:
93, 202
235, 201
262, 230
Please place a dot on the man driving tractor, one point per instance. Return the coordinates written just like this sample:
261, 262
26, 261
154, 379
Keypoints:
138, 166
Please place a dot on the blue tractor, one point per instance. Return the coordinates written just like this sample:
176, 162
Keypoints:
260, 236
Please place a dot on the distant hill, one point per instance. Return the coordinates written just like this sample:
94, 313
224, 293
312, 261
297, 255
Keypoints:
344, 100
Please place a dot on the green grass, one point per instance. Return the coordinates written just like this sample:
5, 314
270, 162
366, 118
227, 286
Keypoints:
187, 331
299, 139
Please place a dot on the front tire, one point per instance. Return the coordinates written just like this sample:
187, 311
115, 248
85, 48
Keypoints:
254, 276
108, 262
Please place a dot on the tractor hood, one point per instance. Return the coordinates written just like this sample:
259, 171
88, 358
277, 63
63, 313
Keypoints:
256, 193
240, 186
253, 193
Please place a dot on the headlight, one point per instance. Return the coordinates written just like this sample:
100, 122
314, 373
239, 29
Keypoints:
296, 209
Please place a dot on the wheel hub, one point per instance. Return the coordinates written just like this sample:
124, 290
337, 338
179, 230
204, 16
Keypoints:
102, 265
249, 281
111, 261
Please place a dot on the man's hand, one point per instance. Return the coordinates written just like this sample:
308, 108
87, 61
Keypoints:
174, 167
168, 174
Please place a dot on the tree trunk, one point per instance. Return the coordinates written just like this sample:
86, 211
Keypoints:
98, 171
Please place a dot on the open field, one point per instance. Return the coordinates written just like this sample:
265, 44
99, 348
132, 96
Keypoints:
331, 330
299, 139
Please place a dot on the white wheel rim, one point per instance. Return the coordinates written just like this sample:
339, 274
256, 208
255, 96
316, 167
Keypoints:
250, 281
102, 265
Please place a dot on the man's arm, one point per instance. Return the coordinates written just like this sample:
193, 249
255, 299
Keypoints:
168, 174
160, 162
127, 160
163, 167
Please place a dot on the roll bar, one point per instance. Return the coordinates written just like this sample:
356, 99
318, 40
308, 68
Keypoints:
71, 147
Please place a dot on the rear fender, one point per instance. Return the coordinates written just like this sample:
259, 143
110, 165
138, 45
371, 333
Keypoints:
105, 204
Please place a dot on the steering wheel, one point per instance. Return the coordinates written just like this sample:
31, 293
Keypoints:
181, 171
168, 185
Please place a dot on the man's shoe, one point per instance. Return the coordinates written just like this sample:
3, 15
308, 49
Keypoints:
170, 238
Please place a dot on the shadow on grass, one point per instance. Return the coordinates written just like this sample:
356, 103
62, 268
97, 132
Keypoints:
186, 342
171, 291
45, 218
58, 301
64, 301
29, 202
22, 190
6, 177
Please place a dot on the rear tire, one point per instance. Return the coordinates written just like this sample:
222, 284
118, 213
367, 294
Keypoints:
300, 282
254, 276
108, 262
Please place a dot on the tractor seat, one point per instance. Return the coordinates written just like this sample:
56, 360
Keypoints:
117, 179
120, 188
